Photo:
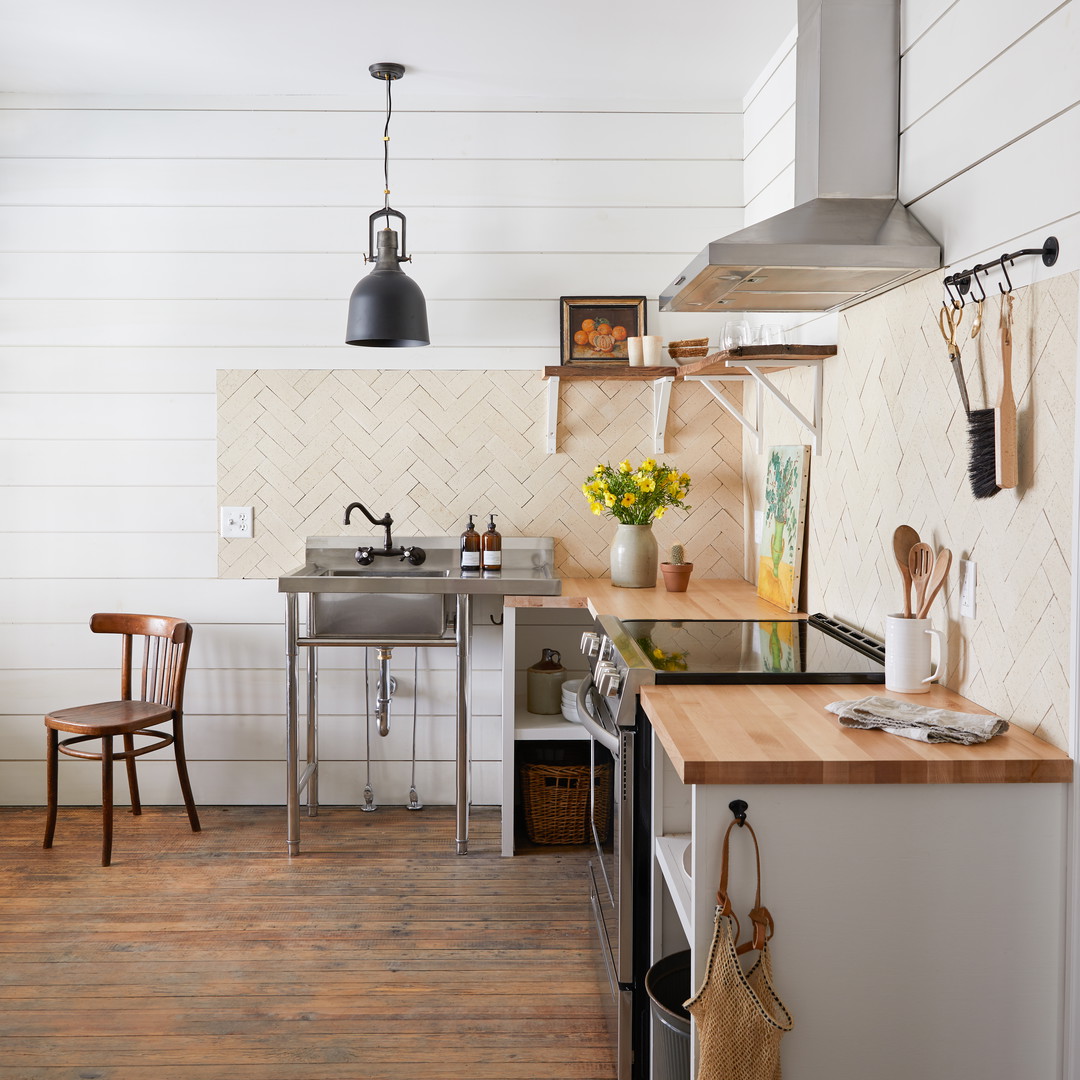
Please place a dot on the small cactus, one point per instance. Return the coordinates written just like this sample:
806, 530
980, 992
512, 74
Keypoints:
678, 556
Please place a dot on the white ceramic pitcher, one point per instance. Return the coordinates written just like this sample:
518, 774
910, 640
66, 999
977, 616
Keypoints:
908, 667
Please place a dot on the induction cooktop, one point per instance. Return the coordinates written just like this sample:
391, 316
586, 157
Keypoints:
817, 649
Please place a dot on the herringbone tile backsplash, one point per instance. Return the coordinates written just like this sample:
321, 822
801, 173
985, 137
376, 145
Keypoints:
431, 447
895, 451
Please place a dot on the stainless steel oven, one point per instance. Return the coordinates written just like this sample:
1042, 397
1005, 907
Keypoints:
623, 656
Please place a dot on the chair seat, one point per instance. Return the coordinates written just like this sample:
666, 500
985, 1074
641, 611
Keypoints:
109, 717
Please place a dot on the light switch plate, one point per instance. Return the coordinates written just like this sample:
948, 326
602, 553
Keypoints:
967, 588
237, 521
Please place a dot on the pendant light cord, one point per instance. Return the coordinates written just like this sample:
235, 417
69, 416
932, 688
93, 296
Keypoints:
386, 152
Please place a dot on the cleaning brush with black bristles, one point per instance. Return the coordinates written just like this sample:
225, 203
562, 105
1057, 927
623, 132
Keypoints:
992, 432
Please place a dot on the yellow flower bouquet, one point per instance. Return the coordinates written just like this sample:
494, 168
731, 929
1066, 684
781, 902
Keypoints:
636, 496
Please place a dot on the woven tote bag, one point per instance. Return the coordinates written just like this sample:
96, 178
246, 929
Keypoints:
740, 1019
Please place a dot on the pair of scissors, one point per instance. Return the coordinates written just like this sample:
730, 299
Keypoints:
949, 319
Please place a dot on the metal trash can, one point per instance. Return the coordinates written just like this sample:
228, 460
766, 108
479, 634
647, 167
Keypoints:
668, 985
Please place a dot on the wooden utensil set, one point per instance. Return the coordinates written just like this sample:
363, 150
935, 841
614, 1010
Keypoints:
920, 569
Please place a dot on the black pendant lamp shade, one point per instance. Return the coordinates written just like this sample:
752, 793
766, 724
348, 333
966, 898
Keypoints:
387, 308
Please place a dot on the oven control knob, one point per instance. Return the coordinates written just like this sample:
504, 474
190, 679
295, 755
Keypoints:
607, 648
590, 643
609, 684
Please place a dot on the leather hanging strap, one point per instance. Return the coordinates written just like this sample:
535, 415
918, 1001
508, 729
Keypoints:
760, 917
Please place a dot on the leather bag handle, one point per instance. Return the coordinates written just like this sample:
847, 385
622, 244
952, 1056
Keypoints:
760, 918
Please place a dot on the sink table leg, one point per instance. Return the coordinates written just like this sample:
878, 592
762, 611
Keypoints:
292, 704
461, 795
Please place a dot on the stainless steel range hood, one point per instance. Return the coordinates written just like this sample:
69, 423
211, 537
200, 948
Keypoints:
848, 237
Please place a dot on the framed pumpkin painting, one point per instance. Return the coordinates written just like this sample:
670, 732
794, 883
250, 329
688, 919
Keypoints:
595, 329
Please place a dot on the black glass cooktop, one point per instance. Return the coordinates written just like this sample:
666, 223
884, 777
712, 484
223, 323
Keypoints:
797, 650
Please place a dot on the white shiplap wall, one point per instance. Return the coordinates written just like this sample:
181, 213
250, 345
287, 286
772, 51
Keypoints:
146, 244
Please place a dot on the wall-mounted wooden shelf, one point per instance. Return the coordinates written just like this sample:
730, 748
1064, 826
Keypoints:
749, 363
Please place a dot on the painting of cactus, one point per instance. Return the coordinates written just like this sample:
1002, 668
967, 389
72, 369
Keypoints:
780, 552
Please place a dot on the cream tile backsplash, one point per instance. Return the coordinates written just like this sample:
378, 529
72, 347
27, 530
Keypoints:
432, 447
895, 451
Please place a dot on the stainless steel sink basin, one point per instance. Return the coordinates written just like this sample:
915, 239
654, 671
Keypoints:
379, 614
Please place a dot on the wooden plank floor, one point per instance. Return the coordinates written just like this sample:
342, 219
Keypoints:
376, 953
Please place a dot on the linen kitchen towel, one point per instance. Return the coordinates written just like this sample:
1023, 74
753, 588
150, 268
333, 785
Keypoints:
917, 721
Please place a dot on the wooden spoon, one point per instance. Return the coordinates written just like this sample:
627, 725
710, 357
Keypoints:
937, 579
920, 566
904, 539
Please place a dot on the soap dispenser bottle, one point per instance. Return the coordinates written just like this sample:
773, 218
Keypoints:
491, 547
470, 547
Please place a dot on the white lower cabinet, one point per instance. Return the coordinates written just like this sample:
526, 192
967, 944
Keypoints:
919, 928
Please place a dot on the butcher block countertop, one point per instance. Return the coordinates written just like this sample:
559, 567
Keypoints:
707, 598
778, 733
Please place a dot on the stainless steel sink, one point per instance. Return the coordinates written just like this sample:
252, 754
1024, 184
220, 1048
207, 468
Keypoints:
393, 599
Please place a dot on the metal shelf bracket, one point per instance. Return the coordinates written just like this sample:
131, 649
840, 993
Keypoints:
763, 384
661, 389
552, 422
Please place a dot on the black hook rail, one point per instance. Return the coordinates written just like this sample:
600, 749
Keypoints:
962, 280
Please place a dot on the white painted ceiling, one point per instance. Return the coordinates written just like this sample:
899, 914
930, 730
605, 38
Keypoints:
602, 52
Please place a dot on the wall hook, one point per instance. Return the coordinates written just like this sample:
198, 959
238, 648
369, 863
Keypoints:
1005, 271
739, 807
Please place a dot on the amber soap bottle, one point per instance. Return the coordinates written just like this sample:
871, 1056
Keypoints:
491, 547
470, 547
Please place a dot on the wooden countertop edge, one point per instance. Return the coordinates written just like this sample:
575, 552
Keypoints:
706, 598
796, 741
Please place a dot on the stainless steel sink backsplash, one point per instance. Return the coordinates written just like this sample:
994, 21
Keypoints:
434, 446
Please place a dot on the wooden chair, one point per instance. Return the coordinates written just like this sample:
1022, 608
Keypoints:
157, 697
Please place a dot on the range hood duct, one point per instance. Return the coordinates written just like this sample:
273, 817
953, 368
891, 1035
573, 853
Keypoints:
848, 237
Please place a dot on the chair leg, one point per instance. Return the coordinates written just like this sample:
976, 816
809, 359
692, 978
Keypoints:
106, 799
133, 780
52, 776
185, 783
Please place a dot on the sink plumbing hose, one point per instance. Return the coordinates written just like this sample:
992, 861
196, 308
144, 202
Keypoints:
369, 795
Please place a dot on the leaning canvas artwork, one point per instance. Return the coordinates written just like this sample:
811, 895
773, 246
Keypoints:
781, 548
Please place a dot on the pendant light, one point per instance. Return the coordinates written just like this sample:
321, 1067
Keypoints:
387, 308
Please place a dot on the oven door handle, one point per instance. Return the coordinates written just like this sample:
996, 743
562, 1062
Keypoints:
589, 723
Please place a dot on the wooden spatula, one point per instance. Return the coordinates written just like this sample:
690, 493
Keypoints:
904, 539
920, 566
937, 579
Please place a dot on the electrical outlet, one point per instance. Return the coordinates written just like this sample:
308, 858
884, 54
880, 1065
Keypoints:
759, 525
967, 588
236, 522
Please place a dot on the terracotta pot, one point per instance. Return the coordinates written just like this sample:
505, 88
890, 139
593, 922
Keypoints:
634, 556
676, 575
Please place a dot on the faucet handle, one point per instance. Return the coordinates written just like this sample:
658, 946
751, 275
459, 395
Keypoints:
365, 556
413, 555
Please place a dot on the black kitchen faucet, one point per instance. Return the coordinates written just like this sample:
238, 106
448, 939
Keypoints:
365, 556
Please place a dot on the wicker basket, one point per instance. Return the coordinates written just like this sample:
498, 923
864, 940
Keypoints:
556, 802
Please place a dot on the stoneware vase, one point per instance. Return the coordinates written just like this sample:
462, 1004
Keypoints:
676, 575
634, 557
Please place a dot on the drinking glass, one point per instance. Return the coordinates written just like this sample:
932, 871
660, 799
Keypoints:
734, 335
769, 334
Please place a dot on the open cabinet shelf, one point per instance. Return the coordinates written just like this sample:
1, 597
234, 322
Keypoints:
749, 363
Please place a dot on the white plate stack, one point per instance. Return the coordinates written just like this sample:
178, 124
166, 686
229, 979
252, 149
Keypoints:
569, 700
